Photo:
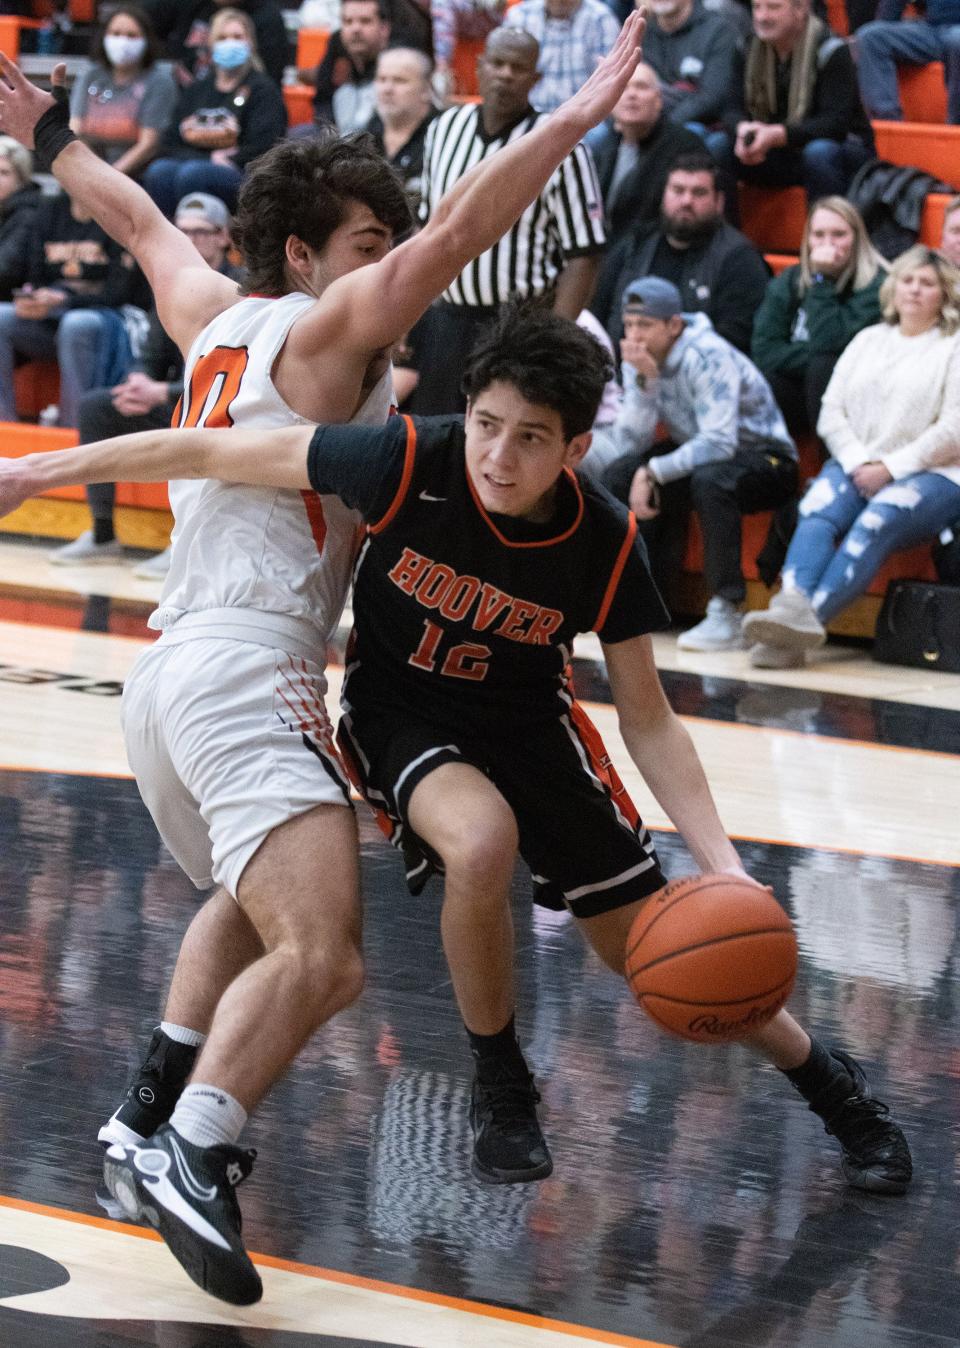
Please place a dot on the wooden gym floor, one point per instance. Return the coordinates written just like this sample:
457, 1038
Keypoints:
694, 1203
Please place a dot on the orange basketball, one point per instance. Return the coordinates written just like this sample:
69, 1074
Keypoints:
711, 958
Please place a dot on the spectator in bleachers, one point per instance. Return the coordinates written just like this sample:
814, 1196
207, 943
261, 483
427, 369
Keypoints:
19, 199
692, 49
634, 151
950, 235
456, 19
728, 452
404, 111
123, 101
893, 41
891, 421
716, 268
812, 310
573, 35
184, 25
70, 308
221, 122
553, 251
344, 78
146, 398
795, 117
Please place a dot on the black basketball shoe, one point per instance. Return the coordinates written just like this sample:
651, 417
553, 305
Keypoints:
508, 1146
876, 1156
187, 1194
151, 1098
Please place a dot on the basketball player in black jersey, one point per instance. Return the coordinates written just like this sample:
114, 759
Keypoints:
485, 554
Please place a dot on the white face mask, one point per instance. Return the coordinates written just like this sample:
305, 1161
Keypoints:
122, 50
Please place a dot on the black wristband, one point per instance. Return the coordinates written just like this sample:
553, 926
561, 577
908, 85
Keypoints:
52, 133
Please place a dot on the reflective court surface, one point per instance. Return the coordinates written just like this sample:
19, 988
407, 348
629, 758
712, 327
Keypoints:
695, 1202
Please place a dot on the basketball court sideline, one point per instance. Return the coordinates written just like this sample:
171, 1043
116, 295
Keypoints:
694, 1201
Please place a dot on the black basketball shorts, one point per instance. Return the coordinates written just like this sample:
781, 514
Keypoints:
580, 833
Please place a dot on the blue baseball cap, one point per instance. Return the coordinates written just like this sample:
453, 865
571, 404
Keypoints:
653, 297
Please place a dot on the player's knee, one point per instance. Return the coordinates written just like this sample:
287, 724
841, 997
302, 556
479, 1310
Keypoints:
482, 847
326, 976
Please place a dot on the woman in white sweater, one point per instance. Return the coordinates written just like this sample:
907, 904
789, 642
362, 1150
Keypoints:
891, 421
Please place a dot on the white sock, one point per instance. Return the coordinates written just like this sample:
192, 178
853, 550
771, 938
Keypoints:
207, 1116
181, 1035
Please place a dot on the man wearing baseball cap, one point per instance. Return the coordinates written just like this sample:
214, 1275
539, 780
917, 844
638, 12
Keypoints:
728, 454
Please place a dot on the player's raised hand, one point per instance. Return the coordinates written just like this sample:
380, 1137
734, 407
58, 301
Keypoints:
17, 483
22, 104
595, 99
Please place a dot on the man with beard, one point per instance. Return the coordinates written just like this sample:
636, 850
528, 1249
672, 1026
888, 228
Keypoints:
716, 268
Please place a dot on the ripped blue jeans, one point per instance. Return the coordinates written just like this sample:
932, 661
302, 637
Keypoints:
842, 538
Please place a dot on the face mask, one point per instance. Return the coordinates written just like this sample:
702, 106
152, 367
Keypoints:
230, 53
122, 50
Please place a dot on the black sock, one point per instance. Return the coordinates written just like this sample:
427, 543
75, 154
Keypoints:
497, 1050
103, 530
818, 1077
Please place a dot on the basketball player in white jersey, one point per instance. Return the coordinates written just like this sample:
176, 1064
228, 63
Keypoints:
224, 717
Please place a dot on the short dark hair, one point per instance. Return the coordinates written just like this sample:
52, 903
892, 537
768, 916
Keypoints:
304, 187
382, 10
151, 53
697, 161
549, 360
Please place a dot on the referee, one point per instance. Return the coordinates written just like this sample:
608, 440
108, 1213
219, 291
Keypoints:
553, 252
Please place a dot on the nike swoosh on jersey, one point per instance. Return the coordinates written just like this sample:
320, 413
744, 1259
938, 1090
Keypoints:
425, 496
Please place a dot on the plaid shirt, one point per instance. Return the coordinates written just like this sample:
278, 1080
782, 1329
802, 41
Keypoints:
569, 48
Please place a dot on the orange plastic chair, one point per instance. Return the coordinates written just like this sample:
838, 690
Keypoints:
935, 149
923, 93
773, 217
311, 47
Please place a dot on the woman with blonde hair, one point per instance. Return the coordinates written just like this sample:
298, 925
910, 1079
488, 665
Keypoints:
891, 421
813, 309
222, 121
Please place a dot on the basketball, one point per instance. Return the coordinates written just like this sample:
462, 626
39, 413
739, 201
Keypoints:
711, 958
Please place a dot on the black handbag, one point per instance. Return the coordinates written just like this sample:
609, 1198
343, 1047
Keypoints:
919, 625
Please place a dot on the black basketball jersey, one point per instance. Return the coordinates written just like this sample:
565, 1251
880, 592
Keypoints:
460, 615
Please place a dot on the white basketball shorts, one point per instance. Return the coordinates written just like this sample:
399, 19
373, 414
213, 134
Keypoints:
227, 740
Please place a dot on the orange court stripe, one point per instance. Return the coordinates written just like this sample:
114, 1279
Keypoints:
354, 1280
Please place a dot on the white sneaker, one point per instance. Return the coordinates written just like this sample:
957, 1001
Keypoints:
154, 568
790, 621
763, 656
82, 551
719, 631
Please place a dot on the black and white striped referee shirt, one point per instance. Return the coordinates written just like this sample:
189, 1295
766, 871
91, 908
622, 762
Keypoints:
565, 221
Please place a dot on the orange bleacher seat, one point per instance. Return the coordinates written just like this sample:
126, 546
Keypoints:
773, 217
778, 262
464, 64
931, 222
36, 384
935, 149
19, 439
311, 47
838, 18
298, 100
10, 36
923, 92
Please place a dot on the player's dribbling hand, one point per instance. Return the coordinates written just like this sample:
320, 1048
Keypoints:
17, 484
740, 874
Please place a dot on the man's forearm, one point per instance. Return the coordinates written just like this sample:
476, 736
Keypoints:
575, 286
116, 202
668, 762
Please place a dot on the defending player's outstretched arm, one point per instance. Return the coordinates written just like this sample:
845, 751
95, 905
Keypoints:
371, 307
188, 292
274, 458
665, 755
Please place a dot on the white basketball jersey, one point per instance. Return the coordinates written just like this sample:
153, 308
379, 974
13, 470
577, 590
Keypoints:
274, 560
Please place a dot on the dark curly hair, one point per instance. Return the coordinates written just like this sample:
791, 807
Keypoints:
304, 187
549, 360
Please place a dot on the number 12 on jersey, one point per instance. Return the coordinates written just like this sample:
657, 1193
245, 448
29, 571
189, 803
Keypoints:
465, 661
